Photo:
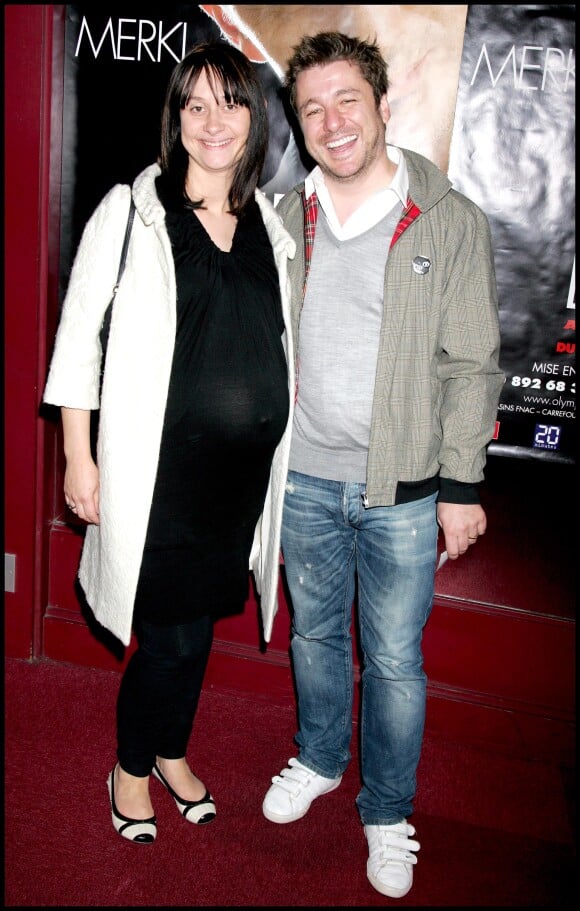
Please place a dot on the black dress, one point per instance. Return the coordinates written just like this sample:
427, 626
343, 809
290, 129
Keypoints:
226, 411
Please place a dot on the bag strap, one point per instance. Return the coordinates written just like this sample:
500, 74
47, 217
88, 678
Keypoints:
106, 324
125, 246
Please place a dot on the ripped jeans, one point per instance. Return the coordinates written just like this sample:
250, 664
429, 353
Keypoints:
331, 544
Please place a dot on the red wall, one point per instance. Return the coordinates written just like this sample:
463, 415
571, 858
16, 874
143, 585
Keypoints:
27, 109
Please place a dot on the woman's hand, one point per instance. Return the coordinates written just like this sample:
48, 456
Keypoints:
81, 489
81, 478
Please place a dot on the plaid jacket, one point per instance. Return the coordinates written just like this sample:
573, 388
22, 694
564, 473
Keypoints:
438, 378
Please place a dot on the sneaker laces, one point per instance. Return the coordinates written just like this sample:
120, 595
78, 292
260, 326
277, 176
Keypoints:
392, 844
293, 778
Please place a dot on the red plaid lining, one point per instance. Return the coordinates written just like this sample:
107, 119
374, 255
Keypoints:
410, 213
310, 207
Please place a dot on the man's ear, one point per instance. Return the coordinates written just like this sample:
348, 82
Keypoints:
385, 110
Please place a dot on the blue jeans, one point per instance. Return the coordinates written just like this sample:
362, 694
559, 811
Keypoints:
330, 544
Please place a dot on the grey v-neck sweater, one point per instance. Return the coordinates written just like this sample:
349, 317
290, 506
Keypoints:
339, 338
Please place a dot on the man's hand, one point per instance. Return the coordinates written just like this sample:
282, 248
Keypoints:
462, 524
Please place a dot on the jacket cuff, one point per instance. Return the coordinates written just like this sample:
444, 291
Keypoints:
451, 491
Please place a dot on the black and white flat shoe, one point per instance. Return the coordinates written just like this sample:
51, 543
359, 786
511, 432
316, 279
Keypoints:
141, 831
197, 811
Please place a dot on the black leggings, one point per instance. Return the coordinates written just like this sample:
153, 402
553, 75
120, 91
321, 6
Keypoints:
160, 691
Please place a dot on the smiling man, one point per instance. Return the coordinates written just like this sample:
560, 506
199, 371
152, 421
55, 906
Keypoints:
395, 324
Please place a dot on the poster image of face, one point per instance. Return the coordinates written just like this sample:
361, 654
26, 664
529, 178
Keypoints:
421, 44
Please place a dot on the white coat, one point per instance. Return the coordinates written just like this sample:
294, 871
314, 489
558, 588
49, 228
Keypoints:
134, 394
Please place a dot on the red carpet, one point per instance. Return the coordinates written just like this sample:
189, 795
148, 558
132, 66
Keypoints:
495, 832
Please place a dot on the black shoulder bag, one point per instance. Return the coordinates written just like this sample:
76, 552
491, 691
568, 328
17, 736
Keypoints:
106, 325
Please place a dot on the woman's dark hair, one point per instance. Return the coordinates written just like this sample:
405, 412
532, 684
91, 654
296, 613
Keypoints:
327, 47
231, 69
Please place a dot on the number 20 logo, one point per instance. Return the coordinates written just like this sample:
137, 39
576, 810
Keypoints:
547, 436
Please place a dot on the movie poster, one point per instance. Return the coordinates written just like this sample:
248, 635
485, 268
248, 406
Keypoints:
513, 153
486, 92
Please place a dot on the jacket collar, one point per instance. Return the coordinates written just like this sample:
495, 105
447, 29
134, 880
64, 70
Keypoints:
145, 196
282, 242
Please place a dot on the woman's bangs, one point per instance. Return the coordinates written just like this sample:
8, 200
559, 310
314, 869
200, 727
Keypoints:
221, 77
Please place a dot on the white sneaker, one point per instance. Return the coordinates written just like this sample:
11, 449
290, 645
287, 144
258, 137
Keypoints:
390, 863
293, 790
